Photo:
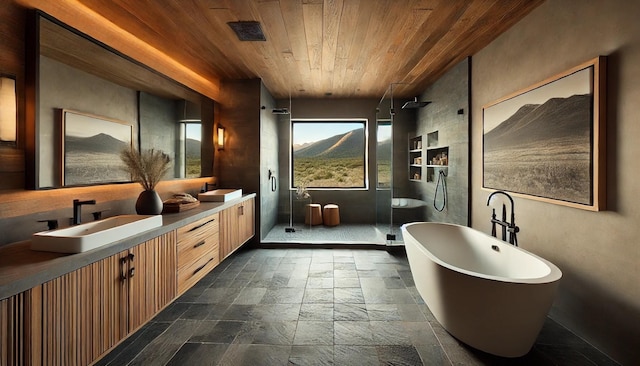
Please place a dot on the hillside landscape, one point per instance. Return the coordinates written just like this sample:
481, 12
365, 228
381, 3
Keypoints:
543, 150
193, 163
94, 159
337, 161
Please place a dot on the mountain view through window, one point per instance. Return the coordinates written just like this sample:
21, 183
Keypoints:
193, 138
329, 154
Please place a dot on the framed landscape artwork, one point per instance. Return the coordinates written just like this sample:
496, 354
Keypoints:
547, 142
91, 148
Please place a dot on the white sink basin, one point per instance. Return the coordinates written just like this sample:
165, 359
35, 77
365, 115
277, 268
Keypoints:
220, 195
84, 237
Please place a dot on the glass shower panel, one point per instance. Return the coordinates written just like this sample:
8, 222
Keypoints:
384, 166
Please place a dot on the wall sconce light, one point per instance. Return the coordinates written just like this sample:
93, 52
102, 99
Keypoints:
8, 107
221, 133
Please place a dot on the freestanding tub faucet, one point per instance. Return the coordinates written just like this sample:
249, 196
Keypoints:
77, 210
509, 227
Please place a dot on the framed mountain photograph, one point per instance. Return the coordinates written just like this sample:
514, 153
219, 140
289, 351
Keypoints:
547, 142
91, 148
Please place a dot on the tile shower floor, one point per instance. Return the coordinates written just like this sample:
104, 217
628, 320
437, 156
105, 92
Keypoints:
343, 234
318, 307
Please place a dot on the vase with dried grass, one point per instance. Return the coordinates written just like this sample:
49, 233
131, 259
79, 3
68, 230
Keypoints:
146, 167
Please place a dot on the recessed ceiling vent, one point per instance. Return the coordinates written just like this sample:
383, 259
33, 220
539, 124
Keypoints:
248, 30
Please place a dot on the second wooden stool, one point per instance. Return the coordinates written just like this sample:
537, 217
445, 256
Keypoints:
331, 214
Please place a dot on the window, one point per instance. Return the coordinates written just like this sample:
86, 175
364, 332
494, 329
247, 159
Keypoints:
383, 154
192, 161
329, 153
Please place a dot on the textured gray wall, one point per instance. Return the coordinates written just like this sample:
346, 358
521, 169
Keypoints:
599, 294
65, 87
158, 127
239, 164
448, 94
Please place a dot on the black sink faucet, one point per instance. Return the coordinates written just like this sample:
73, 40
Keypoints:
77, 210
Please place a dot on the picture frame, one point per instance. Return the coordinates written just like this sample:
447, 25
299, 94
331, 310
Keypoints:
90, 148
547, 142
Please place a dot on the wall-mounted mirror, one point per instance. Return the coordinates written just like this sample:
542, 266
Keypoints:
75, 72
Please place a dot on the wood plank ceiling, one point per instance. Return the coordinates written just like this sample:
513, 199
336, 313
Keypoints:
317, 48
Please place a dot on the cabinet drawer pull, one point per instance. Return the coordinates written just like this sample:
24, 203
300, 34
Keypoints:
123, 271
199, 244
202, 266
132, 269
201, 225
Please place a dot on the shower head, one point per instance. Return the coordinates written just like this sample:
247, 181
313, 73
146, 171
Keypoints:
413, 104
280, 111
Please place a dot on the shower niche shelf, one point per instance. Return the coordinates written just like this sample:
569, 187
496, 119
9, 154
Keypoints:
437, 158
416, 159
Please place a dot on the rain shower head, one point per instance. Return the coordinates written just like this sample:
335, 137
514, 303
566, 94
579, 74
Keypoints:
413, 104
280, 111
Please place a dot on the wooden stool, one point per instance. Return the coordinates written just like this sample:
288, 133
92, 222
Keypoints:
312, 214
331, 215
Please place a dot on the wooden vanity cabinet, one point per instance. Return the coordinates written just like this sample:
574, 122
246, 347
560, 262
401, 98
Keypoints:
198, 250
78, 317
88, 311
14, 330
238, 226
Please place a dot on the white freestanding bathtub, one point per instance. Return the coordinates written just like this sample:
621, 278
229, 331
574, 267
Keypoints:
487, 293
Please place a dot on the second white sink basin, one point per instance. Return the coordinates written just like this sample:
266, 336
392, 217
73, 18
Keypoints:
220, 195
84, 237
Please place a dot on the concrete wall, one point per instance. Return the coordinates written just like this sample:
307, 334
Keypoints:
599, 295
159, 127
62, 86
448, 95
239, 164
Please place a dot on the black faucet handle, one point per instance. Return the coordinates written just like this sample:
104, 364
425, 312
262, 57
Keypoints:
52, 224
97, 215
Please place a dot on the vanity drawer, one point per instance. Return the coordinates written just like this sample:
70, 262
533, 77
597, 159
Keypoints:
198, 250
190, 252
198, 231
193, 272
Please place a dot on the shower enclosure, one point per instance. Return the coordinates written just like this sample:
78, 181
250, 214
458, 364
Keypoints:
417, 165
397, 198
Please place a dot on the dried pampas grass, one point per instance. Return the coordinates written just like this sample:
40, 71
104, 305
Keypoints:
146, 167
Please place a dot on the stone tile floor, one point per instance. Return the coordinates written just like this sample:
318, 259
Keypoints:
318, 307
